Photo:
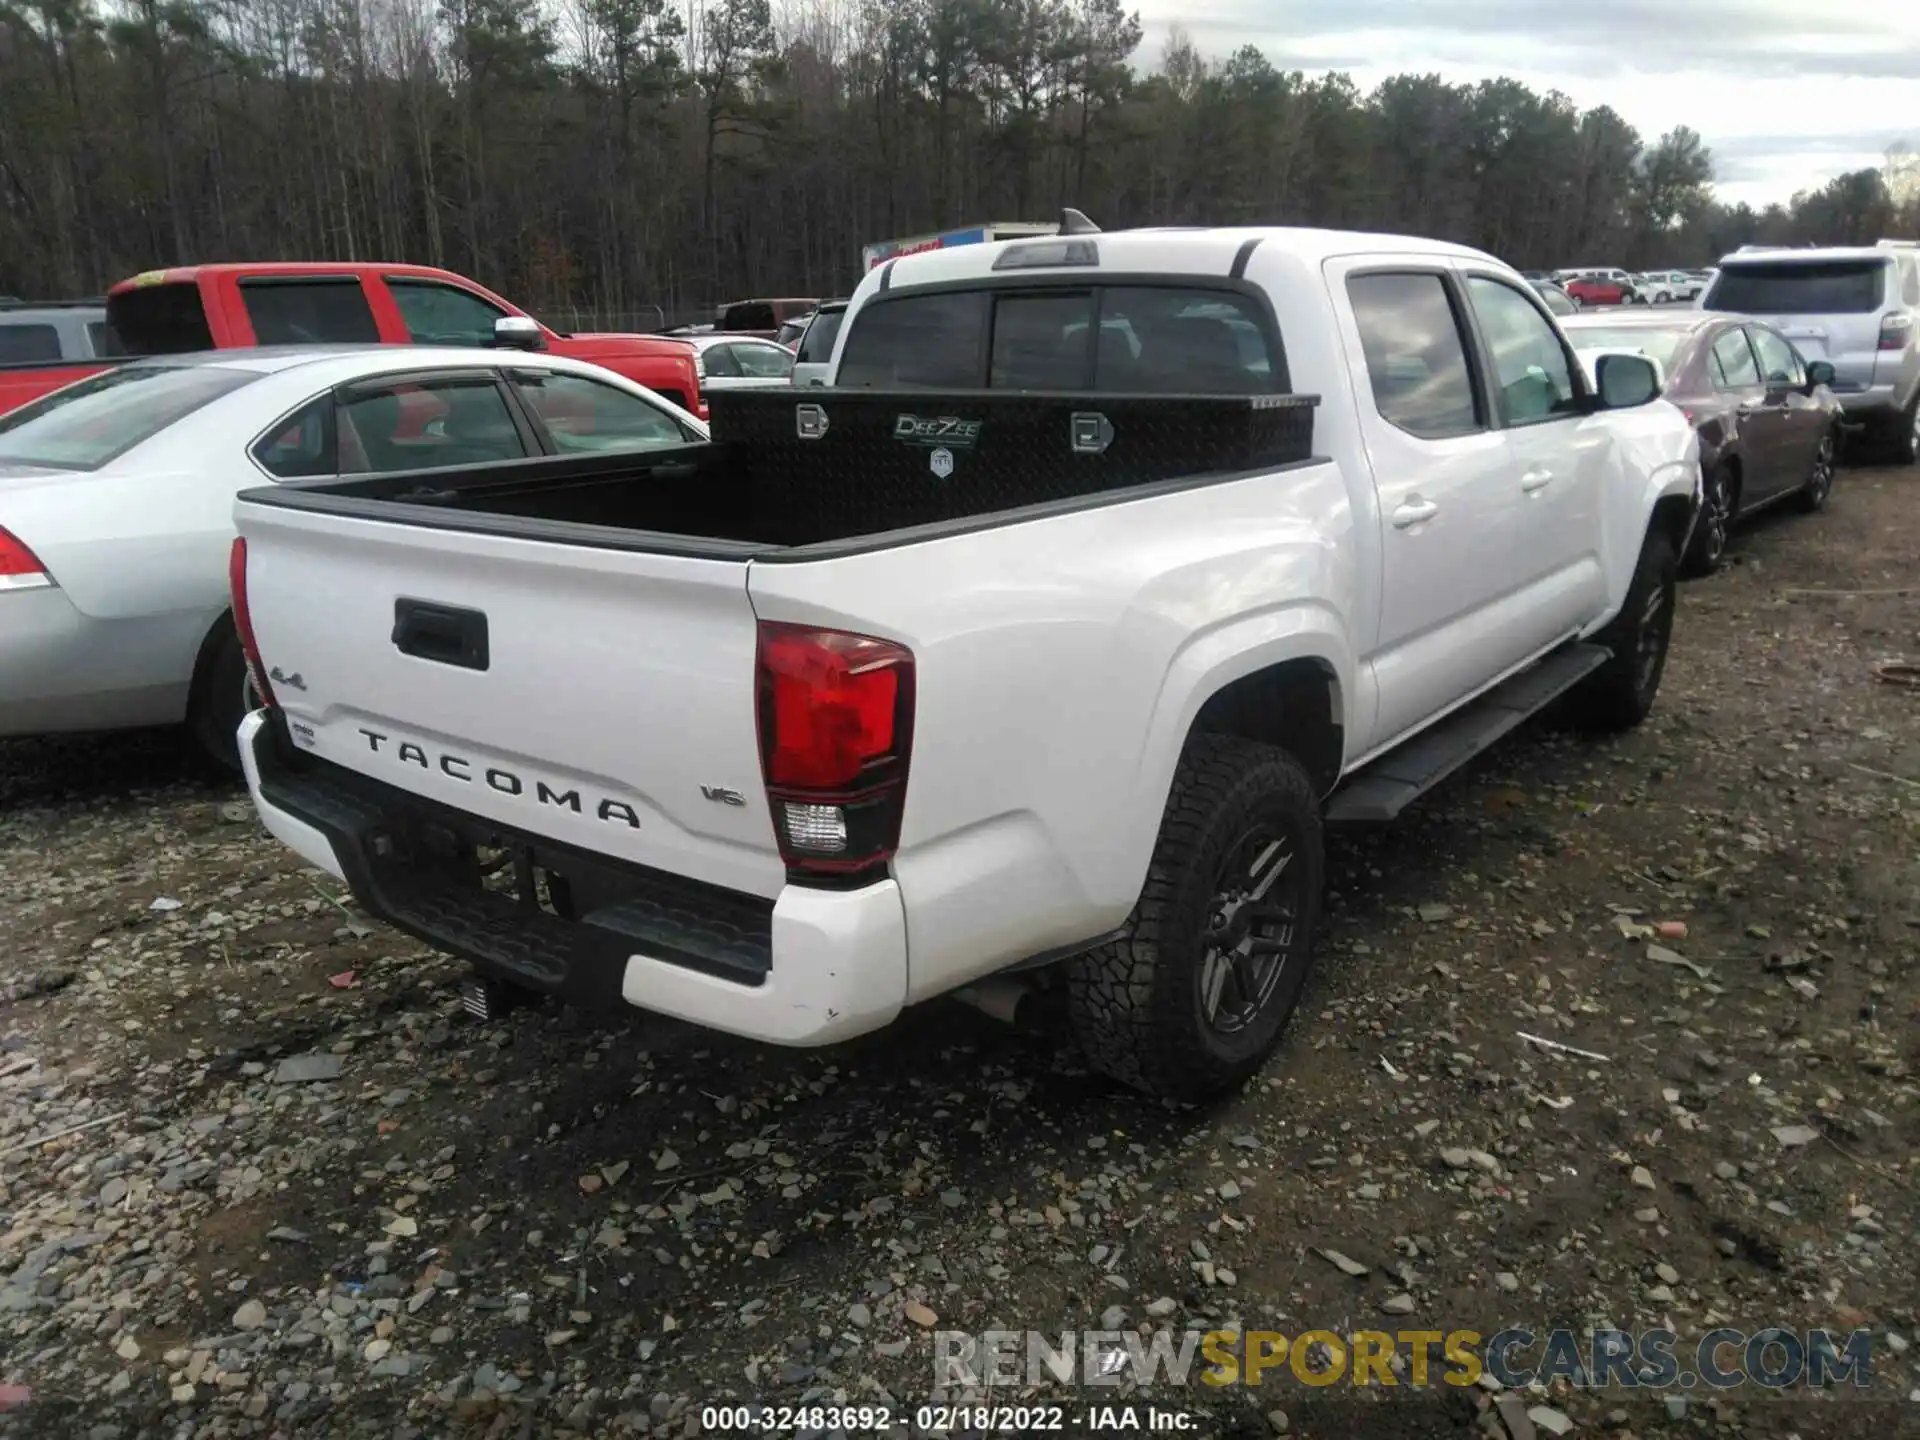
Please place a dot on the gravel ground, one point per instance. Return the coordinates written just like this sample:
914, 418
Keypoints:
291, 1189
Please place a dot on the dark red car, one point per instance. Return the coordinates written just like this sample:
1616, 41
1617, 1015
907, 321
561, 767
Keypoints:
1767, 422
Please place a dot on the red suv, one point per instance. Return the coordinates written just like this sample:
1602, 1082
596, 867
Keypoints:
1598, 290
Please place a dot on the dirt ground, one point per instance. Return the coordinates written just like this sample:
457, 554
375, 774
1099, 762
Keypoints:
554, 1223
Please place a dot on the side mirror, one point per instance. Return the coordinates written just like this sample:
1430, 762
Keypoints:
1625, 381
518, 332
1819, 372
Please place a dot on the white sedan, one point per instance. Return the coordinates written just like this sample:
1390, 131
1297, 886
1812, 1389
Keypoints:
739, 362
116, 502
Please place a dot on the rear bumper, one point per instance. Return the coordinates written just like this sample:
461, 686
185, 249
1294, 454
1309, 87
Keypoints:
1874, 404
809, 968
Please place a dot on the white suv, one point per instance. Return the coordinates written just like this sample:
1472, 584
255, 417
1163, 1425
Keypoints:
1855, 307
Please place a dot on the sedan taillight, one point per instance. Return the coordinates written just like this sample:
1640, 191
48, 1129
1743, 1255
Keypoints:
20, 568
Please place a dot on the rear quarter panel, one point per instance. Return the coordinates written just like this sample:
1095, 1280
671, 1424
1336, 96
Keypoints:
1059, 665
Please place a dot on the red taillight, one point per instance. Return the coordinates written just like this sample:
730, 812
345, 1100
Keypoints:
836, 726
1895, 331
20, 568
243, 622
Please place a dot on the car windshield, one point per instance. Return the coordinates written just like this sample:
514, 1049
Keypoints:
87, 424
1660, 345
1834, 287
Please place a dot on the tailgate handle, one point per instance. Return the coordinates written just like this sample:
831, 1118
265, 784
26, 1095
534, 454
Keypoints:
444, 634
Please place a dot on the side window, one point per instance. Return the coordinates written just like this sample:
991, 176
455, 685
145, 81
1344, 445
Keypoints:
23, 344
1041, 342
1910, 280
1416, 359
719, 360
302, 446
917, 342
1734, 366
1530, 365
426, 425
1181, 341
816, 346
105, 339
436, 314
1778, 364
588, 417
764, 362
308, 312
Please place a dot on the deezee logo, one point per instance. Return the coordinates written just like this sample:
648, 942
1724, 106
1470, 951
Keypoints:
943, 430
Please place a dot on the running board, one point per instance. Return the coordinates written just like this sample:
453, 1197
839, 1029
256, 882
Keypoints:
1398, 778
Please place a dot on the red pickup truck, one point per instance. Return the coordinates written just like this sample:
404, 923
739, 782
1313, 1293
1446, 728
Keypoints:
226, 307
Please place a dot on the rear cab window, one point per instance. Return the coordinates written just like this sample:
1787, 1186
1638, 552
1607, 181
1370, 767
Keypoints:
1173, 339
22, 343
167, 319
1801, 287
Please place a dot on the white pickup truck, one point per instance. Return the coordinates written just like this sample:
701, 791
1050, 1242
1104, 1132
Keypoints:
1029, 657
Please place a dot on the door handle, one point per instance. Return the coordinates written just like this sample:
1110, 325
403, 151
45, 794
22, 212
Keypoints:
1536, 480
1413, 512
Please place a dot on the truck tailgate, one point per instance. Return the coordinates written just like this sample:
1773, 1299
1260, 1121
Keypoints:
600, 698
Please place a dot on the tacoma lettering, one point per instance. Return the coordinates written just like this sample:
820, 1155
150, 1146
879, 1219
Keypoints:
502, 781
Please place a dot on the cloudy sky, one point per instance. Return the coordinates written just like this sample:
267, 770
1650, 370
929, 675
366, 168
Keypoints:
1788, 93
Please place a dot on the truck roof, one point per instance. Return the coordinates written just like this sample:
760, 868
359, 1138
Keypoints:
1773, 254
1173, 249
184, 274
271, 359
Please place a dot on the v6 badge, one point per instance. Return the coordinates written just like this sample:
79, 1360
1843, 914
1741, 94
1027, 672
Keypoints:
941, 463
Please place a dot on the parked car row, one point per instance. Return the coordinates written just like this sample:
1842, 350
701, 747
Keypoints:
1612, 286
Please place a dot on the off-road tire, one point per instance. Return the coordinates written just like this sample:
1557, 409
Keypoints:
1812, 495
220, 698
1135, 1004
1707, 546
1619, 695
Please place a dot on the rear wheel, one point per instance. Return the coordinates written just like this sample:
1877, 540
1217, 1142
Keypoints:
223, 695
1904, 437
1619, 695
1813, 494
1193, 998
1708, 546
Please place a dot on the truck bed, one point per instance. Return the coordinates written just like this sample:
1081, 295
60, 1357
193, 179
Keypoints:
826, 469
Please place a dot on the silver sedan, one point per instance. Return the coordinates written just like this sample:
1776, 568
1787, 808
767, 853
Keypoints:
740, 362
116, 502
